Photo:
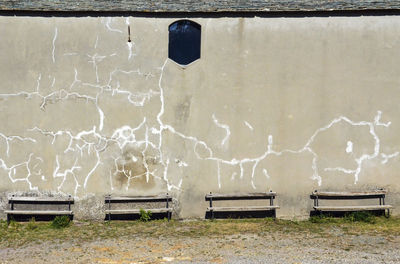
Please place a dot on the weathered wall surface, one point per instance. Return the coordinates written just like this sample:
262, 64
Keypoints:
288, 104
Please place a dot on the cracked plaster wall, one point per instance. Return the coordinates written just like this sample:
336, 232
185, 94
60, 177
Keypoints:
288, 104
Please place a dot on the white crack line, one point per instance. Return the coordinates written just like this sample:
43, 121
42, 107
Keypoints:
111, 181
53, 82
349, 148
94, 59
77, 142
71, 54
131, 43
54, 45
265, 172
233, 176
181, 163
97, 42
64, 174
128, 173
92, 170
76, 80
56, 95
118, 136
137, 99
306, 149
24, 93
13, 168
248, 125
386, 158
108, 26
8, 139
223, 126
79, 137
144, 155
364, 157
130, 52
101, 119
219, 174
162, 127
126, 135
198, 142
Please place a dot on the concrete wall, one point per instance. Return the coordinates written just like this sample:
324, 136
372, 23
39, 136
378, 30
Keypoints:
288, 104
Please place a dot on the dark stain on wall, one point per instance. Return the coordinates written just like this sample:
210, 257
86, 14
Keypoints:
132, 170
182, 110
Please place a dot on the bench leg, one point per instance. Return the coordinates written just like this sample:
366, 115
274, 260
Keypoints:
109, 207
212, 214
318, 213
388, 213
8, 219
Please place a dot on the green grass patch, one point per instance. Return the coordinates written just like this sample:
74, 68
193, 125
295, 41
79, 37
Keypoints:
61, 221
16, 234
32, 224
360, 217
365, 217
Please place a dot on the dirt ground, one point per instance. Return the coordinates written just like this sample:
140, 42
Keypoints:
205, 242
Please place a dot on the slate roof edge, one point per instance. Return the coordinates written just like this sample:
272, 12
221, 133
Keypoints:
196, 6
219, 10
219, 13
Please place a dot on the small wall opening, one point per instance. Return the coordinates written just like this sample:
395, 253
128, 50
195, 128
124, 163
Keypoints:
184, 41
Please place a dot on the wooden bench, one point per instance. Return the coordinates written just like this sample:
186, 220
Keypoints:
247, 196
378, 194
13, 200
137, 199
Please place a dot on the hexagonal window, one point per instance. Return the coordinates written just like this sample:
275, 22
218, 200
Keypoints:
184, 41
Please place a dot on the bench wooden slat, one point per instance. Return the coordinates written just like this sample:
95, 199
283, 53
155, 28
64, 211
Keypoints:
349, 195
34, 200
137, 211
239, 196
43, 212
40, 202
243, 209
122, 199
353, 208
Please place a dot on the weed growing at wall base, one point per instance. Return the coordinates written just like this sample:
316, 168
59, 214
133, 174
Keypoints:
360, 217
32, 224
60, 222
13, 225
144, 215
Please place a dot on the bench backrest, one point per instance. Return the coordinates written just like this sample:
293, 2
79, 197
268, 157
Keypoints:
244, 196
40, 200
138, 199
348, 195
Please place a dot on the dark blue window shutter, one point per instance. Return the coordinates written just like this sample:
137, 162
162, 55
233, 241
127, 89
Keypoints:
184, 41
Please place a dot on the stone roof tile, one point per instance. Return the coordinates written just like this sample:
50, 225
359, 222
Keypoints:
196, 5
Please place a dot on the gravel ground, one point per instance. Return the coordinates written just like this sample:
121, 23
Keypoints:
242, 248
